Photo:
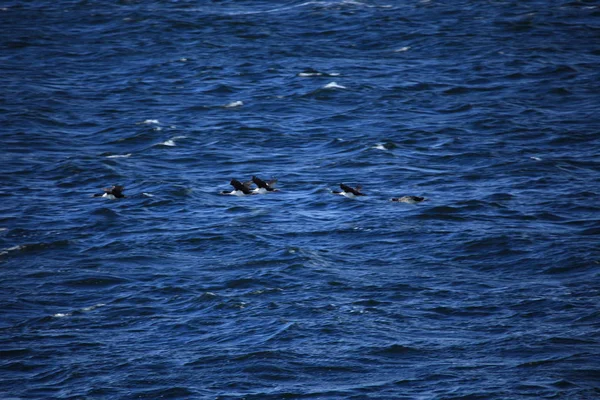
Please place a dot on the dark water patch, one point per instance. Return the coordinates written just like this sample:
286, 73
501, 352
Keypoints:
34, 248
11, 353
572, 268
571, 341
563, 384
446, 213
92, 282
591, 231
396, 350
167, 393
542, 362
457, 109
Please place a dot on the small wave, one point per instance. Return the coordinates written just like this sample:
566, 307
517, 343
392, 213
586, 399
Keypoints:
175, 392
10, 249
456, 109
171, 142
334, 85
234, 104
95, 281
219, 89
105, 212
84, 309
119, 155
309, 73
395, 349
384, 146
35, 247
91, 308
317, 4
446, 213
537, 363
150, 122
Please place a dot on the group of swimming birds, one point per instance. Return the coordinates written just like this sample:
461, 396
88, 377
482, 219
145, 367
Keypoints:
262, 187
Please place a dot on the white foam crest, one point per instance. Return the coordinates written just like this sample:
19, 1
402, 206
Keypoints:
380, 146
356, 3
150, 122
334, 85
536, 158
147, 194
402, 49
10, 249
171, 142
306, 74
84, 309
91, 308
234, 104
320, 3
119, 155
317, 73
275, 10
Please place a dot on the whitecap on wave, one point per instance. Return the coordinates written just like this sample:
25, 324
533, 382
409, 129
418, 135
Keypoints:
334, 85
150, 122
384, 146
313, 72
171, 142
234, 104
10, 249
119, 155
84, 309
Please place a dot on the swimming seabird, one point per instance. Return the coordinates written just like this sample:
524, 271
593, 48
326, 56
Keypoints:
409, 199
349, 192
112, 193
262, 186
240, 189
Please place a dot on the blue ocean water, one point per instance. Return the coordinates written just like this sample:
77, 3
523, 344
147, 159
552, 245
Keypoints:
488, 290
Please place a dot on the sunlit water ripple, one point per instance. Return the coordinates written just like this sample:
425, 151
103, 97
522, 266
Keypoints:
487, 290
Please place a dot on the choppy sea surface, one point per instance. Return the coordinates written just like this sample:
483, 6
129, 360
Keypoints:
489, 289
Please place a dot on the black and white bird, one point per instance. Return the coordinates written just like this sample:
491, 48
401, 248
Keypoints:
239, 188
350, 192
112, 193
263, 187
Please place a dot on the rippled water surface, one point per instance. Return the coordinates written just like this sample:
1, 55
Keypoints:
489, 289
